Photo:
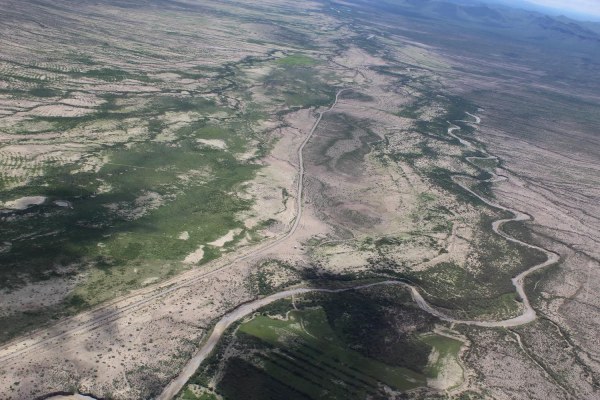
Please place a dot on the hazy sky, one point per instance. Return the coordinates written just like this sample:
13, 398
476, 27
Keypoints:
591, 7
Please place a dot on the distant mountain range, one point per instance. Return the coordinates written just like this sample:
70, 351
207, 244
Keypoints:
527, 5
558, 47
498, 14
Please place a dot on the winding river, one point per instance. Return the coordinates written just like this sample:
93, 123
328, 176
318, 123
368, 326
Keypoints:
518, 281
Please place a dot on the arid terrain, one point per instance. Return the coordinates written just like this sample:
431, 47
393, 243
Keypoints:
292, 200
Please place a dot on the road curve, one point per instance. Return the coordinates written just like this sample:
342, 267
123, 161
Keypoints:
89, 320
112, 310
178, 383
518, 281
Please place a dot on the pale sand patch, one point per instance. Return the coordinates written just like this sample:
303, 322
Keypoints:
150, 280
194, 257
24, 202
83, 100
149, 198
169, 134
30, 150
258, 72
175, 117
274, 188
216, 143
62, 203
185, 235
450, 372
344, 257
127, 86
220, 242
60, 110
253, 147
104, 187
5, 247
195, 175
141, 206
219, 115
167, 76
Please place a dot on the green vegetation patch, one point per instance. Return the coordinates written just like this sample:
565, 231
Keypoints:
482, 287
299, 83
133, 221
318, 362
197, 393
296, 60
445, 348
43, 91
369, 325
110, 75
331, 346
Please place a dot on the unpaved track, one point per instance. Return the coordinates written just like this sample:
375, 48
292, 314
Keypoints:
90, 320
519, 280
178, 383
527, 316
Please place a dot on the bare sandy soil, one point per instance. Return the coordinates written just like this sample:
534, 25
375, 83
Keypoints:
24, 202
112, 348
345, 195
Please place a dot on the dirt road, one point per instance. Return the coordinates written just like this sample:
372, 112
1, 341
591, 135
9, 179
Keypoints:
527, 316
519, 280
89, 320
178, 383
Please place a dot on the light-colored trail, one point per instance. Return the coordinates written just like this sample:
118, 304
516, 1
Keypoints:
300, 187
527, 316
477, 119
518, 281
90, 320
246, 309
178, 383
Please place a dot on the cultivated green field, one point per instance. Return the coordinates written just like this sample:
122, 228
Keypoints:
327, 346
